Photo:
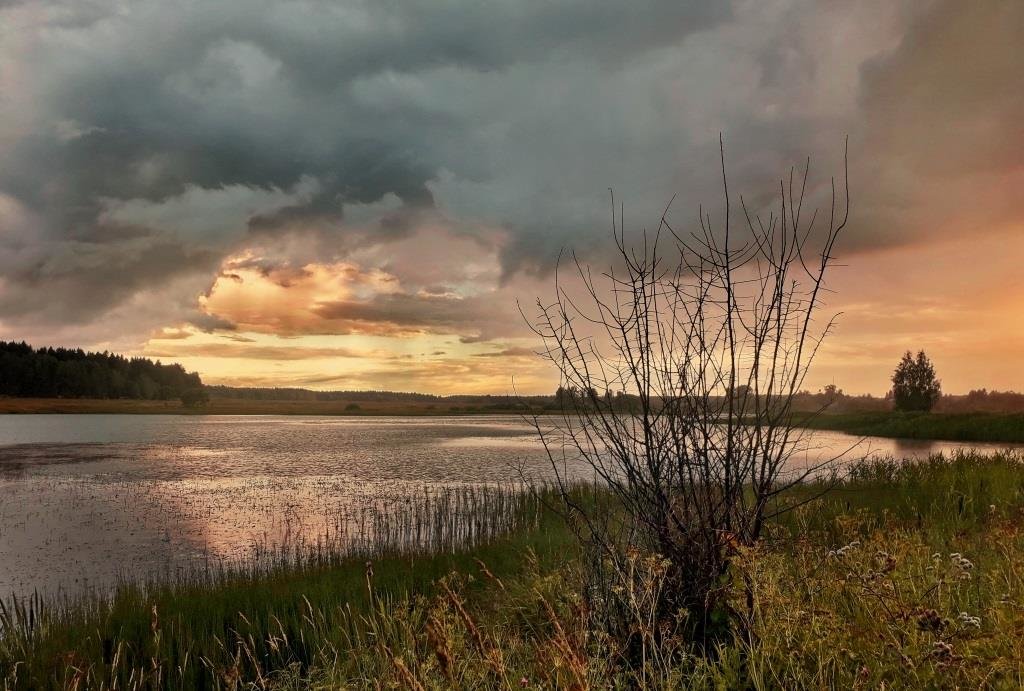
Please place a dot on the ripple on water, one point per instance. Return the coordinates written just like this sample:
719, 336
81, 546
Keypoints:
86, 500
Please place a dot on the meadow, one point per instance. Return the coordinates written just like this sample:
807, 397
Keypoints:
898, 574
968, 426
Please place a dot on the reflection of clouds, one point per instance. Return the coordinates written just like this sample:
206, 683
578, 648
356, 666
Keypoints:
511, 442
213, 490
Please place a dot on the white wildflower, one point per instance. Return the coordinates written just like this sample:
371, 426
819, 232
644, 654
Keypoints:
966, 619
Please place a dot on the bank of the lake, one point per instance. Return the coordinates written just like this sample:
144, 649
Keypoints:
905, 575
963, 427
241, 406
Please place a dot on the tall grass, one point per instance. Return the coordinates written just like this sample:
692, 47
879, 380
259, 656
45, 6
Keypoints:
902, 574
290, 607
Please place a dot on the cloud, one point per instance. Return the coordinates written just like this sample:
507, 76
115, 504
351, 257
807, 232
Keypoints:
452, 375
404, 313
193, 124
515, 351
170, 163
939, 127
166, 334
344, 299
252, 352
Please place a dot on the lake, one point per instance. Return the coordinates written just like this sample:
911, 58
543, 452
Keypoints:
87, 500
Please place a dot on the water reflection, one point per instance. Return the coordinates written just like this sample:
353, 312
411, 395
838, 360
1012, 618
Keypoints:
86, 500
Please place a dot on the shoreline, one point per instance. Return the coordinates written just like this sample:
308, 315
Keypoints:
239, 406
991, 427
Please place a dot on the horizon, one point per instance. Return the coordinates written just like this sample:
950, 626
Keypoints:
191, 184
495, 394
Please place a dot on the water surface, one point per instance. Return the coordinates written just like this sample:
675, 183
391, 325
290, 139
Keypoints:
88, 499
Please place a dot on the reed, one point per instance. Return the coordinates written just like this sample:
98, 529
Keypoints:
902, 574
286, 607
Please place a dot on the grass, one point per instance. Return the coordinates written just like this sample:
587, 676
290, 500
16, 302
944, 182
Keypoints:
903, 575
977, 427
284, 609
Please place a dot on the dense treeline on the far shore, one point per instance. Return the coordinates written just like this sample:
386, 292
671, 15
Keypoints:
74, 373
493, 401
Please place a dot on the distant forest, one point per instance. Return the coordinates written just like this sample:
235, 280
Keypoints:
29, 372
295, 394
830, 399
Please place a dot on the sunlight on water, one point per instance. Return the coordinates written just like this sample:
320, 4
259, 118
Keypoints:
88, 499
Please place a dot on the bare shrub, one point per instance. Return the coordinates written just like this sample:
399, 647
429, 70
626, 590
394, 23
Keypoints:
679, 366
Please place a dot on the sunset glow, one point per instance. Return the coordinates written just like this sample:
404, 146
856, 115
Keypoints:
365, 214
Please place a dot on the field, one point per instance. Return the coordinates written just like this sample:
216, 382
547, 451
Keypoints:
902, 575
240, 406
983, 427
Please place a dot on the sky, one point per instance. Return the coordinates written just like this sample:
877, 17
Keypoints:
354, 195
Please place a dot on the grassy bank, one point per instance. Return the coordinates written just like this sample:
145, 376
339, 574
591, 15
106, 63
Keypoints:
984, 427
283, 613
902, 575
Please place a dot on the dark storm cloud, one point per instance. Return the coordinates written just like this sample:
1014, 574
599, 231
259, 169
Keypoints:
942, 117
145, 142
949, 98
147, 101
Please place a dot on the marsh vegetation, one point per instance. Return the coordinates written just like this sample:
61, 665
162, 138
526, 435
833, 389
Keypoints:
905, 573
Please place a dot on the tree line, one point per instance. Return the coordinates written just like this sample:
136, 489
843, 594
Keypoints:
29, 372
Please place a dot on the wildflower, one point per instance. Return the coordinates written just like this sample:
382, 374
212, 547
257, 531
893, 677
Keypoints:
887, 561
942, 652
963, 566
842, 551
524, 681
967, 620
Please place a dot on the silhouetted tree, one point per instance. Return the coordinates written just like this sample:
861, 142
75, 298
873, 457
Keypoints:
914, 386
712, 332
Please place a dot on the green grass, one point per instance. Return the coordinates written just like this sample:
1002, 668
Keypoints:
907, 575
982, 427
192, 631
